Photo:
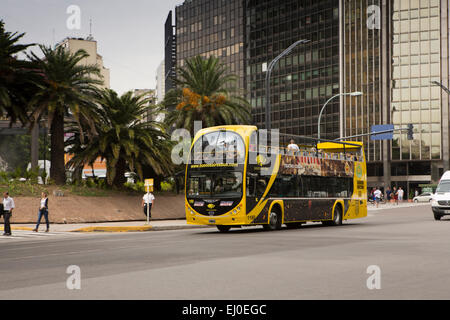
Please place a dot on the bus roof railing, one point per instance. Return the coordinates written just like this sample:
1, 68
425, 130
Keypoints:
317, 141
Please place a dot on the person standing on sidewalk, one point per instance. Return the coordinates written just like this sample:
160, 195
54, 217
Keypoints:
148, 199
43, 211
400, 194
8, 207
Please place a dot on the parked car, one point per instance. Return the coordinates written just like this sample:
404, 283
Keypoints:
424, 197
441, 199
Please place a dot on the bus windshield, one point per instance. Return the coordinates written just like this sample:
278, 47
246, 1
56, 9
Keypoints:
219, 147
219, 184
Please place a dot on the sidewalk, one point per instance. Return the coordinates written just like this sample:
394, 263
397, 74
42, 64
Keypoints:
390, 205
132, 226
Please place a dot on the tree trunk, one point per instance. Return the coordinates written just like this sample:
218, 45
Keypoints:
57, 168
120, 179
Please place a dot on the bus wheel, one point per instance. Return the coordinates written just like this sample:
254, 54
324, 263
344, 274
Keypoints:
223, 228
337, 219
274, 221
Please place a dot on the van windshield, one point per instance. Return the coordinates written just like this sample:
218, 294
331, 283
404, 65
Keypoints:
444, 186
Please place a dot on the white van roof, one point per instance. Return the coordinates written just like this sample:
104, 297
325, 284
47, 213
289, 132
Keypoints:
446, 175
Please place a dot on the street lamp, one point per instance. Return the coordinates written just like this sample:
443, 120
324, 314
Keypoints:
437, 83
353, 94
269, 72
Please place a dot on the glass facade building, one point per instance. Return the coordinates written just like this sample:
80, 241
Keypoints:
389, 50
212, 28
302, 81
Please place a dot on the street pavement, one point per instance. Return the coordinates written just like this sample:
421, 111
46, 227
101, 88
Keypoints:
312, 262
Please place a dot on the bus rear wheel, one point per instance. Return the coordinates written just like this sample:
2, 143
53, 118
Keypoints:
274, 221
223, 229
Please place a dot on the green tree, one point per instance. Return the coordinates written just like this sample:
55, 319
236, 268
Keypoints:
205, 93
127, 138
16, 77
65, 90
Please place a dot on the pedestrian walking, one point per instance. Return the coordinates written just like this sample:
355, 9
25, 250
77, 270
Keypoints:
377, 195
8, 207
395, 195
388, 194
43, 211
148, 199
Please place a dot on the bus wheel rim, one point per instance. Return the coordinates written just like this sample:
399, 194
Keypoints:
273, 219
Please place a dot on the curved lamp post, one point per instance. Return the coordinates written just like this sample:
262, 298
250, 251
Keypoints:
269, 72
353, 94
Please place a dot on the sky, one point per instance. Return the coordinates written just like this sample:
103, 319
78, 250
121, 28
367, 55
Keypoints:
129, 34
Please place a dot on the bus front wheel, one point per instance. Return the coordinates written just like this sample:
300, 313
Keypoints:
224, 228
274, 221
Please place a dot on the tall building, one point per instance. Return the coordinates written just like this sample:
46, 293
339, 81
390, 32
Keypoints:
90, 46
391, 51
170, 53
212, 28
302, 81
149, 94
160, 83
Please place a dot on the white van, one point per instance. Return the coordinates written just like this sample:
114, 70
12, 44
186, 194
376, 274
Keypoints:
441, 199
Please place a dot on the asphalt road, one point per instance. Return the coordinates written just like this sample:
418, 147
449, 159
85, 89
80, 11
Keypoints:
313, 262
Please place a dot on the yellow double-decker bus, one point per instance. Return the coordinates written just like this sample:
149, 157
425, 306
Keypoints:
234, 179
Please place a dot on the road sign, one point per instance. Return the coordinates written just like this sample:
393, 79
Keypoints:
382, 128
148, 183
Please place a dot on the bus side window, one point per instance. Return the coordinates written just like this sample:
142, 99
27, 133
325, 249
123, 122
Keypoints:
260, 187
251, 186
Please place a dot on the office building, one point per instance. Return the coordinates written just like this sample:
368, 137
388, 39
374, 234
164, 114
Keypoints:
212, 28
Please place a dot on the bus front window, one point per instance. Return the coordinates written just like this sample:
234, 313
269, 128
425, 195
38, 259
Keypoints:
224, 185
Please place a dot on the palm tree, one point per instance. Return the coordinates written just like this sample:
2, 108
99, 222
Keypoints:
202, 95
16, 77
126, 138
66, 89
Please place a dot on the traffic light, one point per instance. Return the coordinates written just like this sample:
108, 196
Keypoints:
410, 131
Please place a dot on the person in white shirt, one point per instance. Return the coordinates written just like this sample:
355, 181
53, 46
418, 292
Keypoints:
400, 194
8, 207
43, 211
377, 194
292, 146
148, 199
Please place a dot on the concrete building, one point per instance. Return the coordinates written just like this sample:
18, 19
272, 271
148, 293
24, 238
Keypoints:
90, 46
160, 82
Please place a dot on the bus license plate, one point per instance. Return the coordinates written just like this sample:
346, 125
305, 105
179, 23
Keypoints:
212, 221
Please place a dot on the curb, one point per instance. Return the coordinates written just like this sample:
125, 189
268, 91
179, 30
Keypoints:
18, 228
135, 228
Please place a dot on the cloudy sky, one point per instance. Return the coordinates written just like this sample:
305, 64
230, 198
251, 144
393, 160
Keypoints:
129, 34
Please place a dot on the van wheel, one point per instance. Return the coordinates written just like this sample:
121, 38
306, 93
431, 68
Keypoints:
274, 221
223, 229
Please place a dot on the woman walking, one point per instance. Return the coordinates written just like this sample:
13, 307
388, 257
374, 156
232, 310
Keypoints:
43, 210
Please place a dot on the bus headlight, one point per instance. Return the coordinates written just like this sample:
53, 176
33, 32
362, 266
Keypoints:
234, 211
